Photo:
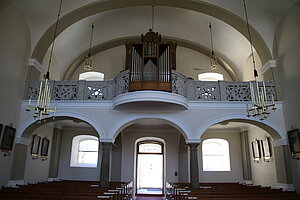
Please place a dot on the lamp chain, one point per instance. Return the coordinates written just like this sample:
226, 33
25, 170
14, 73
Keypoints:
54, 36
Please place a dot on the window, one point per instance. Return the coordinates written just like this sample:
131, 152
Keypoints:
84, 151
91, 76
150, 148
210, 77
215, 155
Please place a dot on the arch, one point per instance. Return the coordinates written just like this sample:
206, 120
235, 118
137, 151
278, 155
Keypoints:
275, 131
183, 129
27, 129
121, 41
202, 7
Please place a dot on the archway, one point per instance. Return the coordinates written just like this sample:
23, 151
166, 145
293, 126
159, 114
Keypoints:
59, 133
150, 130
258, 152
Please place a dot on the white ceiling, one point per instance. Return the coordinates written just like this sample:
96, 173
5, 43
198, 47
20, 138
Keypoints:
264, 16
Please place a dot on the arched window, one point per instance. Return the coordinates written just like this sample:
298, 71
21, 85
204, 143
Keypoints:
215, 155
210, 76
91, 76
84, 151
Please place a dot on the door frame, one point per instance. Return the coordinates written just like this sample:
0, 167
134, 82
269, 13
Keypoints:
150, 139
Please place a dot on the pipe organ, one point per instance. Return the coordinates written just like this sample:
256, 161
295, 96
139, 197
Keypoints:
151, 63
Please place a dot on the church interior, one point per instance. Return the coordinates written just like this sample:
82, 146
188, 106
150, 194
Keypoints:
149, 99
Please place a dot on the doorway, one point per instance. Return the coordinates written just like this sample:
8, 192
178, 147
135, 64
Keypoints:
149, 169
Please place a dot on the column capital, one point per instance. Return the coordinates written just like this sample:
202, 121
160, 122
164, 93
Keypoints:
106, 140
189, 141
193, 146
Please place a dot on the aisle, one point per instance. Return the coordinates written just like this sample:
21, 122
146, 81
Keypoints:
149, 198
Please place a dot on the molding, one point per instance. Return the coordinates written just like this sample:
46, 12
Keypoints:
21, 140
106, 140
280, 142
75, 104
35, 63
224, 105
222, 130
193, 141
15, 183
285, 187
151, 96
270, 64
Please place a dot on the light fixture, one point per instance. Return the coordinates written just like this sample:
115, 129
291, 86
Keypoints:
260, 103
88, 60
213, 58
42, 107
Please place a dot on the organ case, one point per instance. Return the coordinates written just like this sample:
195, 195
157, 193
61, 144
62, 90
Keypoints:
150, 62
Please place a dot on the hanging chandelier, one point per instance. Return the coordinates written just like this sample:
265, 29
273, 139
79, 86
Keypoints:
42, 107
260, 103
213, 58
88, 60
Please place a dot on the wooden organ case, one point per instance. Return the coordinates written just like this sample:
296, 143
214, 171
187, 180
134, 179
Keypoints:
151, 63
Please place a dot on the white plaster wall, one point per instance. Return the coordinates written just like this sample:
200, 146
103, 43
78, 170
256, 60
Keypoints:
76, 173
286, 52
110, 62
14, 52
263, 173
188, 59
236, 172
37, 170
130, 136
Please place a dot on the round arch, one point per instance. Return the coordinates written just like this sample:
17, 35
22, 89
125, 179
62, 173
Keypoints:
32, 124
121, 41
180, 126
275, 131
100, 6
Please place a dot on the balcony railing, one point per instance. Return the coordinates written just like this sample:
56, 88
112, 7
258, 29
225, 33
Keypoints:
107, 90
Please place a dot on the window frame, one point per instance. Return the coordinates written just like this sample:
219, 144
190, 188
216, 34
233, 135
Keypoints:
212, 76
90, 76
225, 155
75, 150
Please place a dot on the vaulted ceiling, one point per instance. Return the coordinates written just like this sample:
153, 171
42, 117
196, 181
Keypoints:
183, 21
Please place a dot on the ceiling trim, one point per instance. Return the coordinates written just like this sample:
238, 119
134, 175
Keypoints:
121, 41
233, 20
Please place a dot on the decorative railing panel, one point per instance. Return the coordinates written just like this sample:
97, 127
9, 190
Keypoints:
191, 89
66, 90
96, 90
122, 82
178, 83
234, 91
207, 91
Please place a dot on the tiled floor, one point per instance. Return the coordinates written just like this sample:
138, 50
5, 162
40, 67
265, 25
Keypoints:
149, 198
149, 191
